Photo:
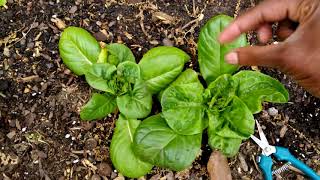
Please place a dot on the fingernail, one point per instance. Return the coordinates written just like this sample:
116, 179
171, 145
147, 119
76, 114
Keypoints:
232, 58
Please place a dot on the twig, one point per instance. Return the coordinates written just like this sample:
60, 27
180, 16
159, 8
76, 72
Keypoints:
200, 17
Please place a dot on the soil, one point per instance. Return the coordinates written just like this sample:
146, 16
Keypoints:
41, 134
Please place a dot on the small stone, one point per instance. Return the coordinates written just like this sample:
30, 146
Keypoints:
154, 42
67, 72
87, 125
26, 90
99, 23
91, 144
100, 36
67, 136
30, 45
73, 9
104, 169
170, 176
112, 23
95, 177
272, 111
11, 134
167, 42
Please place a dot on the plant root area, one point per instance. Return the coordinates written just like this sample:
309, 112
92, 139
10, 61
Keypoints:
41, 134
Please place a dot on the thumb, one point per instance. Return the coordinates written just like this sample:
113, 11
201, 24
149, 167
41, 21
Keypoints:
269, 56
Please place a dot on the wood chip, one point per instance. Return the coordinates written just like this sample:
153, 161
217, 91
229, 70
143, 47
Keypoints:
128, 35
58, 22
283, 131
29, 78
243, 162
6, 52
165, 18
218, 167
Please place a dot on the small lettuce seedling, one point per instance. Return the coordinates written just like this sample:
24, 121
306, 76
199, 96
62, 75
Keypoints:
225, 107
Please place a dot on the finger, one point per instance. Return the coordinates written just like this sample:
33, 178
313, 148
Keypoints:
270, 56
265, 12
264, 33
285, 29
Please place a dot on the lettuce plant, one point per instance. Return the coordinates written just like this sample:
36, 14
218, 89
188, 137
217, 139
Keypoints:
120, 83
224, 106
113, 71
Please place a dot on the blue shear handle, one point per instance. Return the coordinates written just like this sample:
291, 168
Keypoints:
265, 165
283, 154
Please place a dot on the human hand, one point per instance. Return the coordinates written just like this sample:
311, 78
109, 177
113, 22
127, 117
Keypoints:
298, 55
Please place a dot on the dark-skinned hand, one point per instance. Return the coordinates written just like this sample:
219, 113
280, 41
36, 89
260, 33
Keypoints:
298, 55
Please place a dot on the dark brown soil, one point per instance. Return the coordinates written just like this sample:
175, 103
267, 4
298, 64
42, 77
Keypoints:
41, 134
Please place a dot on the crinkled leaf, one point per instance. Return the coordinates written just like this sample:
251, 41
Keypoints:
122, 155
185, 77
78, 49
183, 108
161, 65
98, 107
136, 104
228, 146
101, 77
129, 71
211, 53
156, 143
221, 92
118, 53
234, 122
255, 87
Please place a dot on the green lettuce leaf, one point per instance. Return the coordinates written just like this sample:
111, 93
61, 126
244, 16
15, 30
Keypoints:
156, 143
161, 65
183, 107
137, 103
122, 155
78, 49
129, 71
118, 53
102, 77
234, 123
211, 53
255, 88
98, 107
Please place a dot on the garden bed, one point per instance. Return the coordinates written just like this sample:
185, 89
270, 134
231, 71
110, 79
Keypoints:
41, 134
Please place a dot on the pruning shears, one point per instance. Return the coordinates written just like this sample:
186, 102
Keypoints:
281, 154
